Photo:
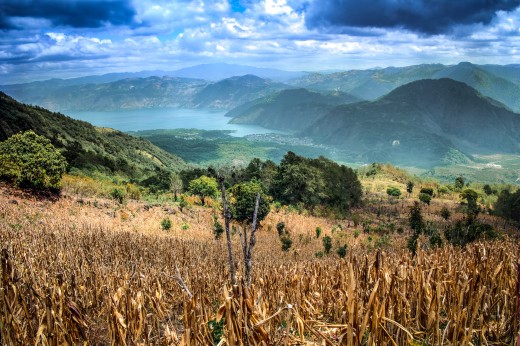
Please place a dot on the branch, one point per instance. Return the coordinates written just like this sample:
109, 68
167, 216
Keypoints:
180, 281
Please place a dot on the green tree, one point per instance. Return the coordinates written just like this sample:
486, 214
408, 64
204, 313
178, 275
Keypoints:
415, 218
30, 160
327, 243
487, 189
445, 213
242, 204
425, 198
471, 197
459, 183
508, 205
409, 187
203, 187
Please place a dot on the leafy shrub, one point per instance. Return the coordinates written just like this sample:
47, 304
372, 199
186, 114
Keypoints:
286, 242
218, 230
327, 244
356, 233
393, 191
185, 226
342, 251
425, 198
318, 254
427, 190
445, 213
166, 224
30, 160
280, 227
117, 195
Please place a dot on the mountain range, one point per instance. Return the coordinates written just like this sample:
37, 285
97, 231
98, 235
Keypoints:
202, 86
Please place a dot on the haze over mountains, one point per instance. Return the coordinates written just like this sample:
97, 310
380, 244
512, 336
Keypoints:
421, 116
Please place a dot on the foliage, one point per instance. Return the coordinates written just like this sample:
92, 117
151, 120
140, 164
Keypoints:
30, 160
118, 195
218, 229
327, 244
415, 218
427, 190
425, 198
471, 197
459, 183
435, 240
280, 227
166, 224
217, 330
445, 213
318, 232
342, 251
203, 187
182, 202
242, 203
286, 242
393, 191
468, 230
409, 186
487, 189
508, 205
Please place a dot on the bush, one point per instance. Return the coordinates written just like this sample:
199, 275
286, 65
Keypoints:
427, 190
280, 227
342, 251
286, 242
218, 230
318, 232
327, 244
185, 226
393, 191
30, 160
166, 224
117, 195
445, 213
425, 198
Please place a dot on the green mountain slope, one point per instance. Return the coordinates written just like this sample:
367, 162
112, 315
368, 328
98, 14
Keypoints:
88, 148
424, 124
290, 110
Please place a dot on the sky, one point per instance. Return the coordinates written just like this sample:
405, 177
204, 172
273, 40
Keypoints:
42, 39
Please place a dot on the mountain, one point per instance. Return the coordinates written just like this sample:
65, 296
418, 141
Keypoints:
219, 71
232, 92
290, 109
424, 123
130, 93
87, 148
499, 82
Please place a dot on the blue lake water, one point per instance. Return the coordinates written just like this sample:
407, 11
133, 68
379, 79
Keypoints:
167, 118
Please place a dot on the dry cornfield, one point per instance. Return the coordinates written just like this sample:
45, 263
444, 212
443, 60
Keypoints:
97, 275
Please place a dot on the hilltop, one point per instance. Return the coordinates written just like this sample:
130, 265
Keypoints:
423, 124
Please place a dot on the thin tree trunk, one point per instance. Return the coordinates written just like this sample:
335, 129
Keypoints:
228, 235
249, 256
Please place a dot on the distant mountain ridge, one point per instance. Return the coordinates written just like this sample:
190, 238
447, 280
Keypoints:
289, 109
88, 148
423, 123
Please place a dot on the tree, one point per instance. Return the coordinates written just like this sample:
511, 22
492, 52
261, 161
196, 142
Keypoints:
415, 218
243, 202
508, 205
409, 187
471, 199
459, 183
30, 160
203, 187
487, 189
425, 198
445, 213
176, 185
327, 243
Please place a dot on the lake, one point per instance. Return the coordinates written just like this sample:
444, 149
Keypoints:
167, 118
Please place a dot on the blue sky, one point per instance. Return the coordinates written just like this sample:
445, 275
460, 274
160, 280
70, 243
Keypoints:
43, 39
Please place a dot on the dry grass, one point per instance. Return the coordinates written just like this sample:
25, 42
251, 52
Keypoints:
99, 274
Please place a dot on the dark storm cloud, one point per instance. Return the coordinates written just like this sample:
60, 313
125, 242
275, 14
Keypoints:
424, 16
72, 13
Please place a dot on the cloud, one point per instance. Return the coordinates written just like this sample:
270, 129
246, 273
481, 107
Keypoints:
421, 16
68, 13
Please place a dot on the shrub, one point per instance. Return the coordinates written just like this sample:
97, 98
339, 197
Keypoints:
356, 233
427, 190
425, 198
185, 226
117, 195
218, 230
318, 254
342, 251
318, 232
166, 224
393, 191
286, 242
445, 213
280, 227
327, 244
30, 160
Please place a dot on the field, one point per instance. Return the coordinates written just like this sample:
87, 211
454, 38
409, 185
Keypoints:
86, 270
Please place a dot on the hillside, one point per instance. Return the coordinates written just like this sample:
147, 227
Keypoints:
291, 109
87, 148
232, 92
423, 124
